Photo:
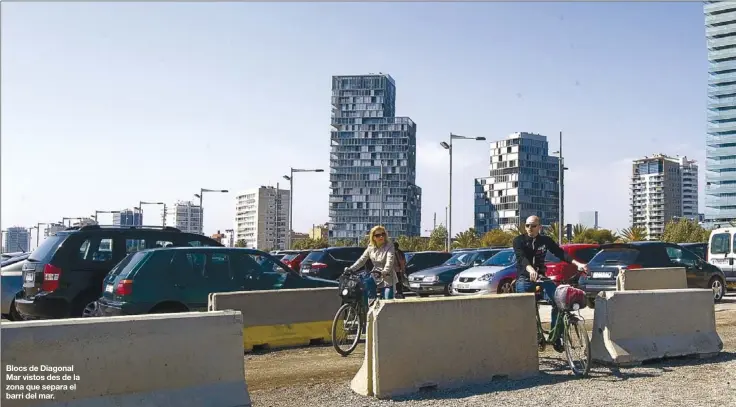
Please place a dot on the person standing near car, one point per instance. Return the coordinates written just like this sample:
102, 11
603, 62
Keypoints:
383, 256
531, 249
400, 270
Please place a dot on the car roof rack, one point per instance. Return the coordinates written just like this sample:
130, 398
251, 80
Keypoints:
142, 227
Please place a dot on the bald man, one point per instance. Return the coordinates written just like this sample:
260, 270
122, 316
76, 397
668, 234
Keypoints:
531, 248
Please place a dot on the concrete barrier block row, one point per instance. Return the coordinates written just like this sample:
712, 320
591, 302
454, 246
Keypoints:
282, 318
187, 360
662, 278
481, 338
632, 327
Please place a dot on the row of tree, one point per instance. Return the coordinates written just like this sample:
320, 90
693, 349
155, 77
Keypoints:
680, 231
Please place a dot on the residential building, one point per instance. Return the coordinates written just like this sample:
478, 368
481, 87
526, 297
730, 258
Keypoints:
589, 219
17, 239
184, 215
52, 229
663, 188
262, 218
84, 222
720, 165
689, 181
372, 161
127, 217
318, 232
523, 181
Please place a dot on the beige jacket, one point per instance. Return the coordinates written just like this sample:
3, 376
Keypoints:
383, 259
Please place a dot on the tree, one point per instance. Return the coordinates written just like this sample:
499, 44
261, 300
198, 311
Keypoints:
240, 243
633, 234
599, 236
466, 239
438, 238
365, 241
343, 243
496, 237
684, 231
308, 244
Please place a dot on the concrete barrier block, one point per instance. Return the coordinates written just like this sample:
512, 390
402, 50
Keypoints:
631, 327
282, 318
188, 360
362, 383
662, 278
447, 343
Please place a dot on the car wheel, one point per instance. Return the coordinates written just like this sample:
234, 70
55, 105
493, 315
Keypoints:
13, 314
91, 310
506, 287
448, 290
716, 284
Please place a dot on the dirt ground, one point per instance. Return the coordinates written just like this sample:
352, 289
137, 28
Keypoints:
313, 365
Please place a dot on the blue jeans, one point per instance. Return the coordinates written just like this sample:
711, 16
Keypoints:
388, 293
370, 289
525, 286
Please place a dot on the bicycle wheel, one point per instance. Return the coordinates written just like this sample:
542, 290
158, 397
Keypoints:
346, 329
577, 346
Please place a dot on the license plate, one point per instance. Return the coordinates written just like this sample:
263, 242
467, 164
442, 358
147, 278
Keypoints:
108, 288
462, 286
414, 285
30, 277
600, 274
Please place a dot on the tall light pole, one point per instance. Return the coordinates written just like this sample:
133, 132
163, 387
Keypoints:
448, 147
201, 210
561, 193
290, 178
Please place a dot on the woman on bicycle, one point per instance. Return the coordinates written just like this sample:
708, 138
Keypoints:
381, 253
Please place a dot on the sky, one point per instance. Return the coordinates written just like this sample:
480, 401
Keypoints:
108, 104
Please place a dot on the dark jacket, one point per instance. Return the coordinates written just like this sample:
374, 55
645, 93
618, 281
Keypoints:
533, 251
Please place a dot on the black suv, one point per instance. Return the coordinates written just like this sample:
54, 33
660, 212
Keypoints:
331, 262
65, 273
603, 267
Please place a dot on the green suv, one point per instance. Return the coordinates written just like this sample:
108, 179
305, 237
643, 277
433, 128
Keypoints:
180, 279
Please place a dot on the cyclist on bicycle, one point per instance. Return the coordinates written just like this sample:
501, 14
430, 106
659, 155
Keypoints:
382, 254
531, 248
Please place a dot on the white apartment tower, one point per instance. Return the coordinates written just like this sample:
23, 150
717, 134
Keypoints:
262, 217
663, 188
184, 215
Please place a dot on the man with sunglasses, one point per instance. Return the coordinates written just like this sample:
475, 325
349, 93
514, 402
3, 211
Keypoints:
531, 249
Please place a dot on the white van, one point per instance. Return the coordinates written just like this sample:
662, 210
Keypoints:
722, 252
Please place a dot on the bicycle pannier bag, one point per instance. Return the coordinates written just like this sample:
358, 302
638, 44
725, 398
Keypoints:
566, 296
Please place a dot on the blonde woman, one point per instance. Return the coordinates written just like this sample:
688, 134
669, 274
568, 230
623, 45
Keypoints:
381, 253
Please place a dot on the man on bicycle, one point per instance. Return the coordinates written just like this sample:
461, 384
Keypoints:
531, 248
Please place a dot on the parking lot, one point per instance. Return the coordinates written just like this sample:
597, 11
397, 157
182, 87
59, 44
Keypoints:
317, 376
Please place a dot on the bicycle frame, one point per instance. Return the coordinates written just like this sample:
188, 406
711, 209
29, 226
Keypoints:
545, 337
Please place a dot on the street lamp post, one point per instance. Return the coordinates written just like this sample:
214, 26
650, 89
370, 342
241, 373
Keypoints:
201, 210
448, 147
561, 192
290, 178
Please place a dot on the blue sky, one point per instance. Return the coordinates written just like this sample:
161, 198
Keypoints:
107, 104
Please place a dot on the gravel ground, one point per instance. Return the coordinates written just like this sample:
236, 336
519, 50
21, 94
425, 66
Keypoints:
317, 376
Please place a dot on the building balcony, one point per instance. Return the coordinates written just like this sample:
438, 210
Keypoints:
714, 115
714, 79
714, 91
715, 31
717, 6
721, 127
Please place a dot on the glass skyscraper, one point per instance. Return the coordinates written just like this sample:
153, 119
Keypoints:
720, 176
372, 161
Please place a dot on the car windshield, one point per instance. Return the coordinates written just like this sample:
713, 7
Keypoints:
502, 258
408, 256
616, 256
551, 258
127, 264
461, 259
314, 256
289, 256
47, 248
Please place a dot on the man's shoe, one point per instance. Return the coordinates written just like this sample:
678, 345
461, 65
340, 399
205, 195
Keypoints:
558, 346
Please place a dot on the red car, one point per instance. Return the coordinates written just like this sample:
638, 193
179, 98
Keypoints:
293, 258
559, 270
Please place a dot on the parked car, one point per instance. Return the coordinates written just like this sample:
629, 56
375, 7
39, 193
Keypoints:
559, 270
701, 249
722, 252
11, 283
495, 275
293, 258
604, 267
65, 273
438, 280
331, 262
180, 279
